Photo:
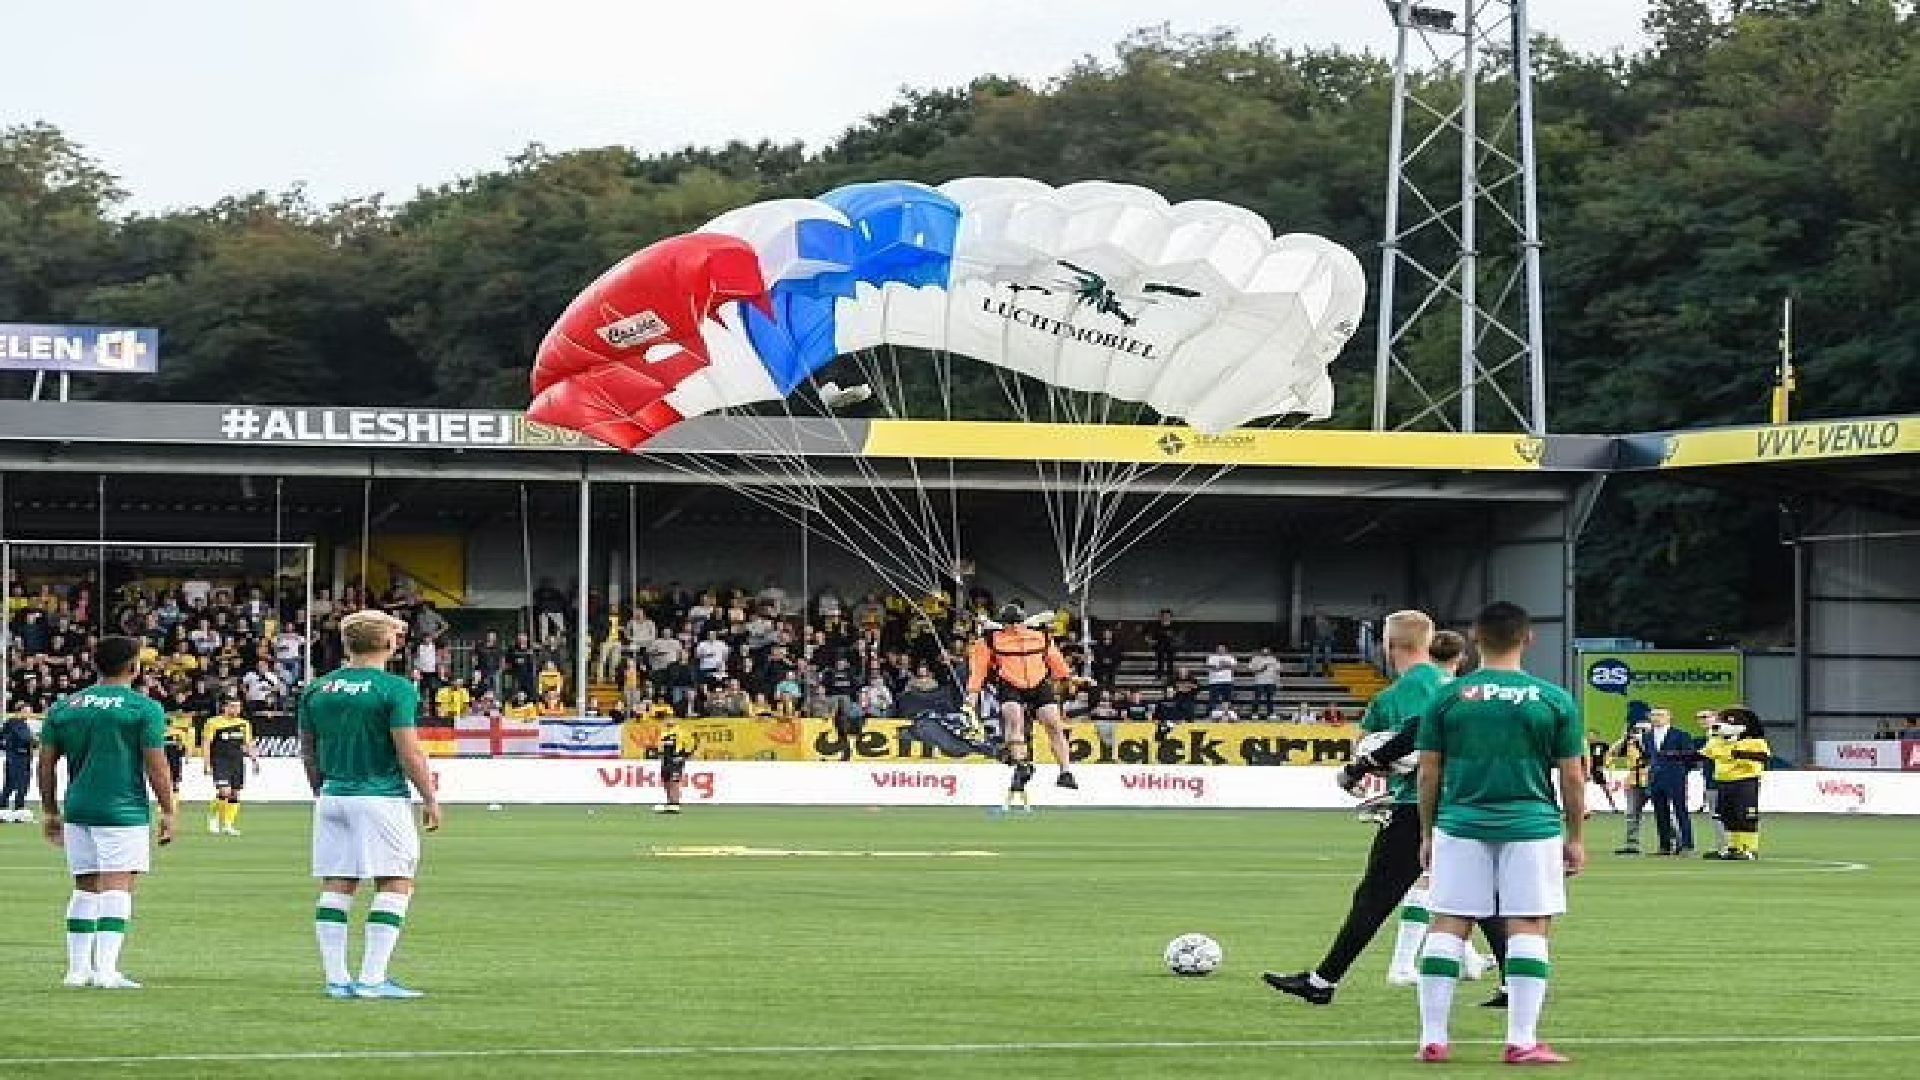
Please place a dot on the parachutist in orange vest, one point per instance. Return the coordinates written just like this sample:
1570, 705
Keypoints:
1017, 660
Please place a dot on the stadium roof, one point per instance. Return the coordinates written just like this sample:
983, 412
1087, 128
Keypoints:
1880, 452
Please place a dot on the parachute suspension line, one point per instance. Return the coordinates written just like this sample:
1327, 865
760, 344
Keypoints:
827, 521
826, 495
927, 532
1112, 553
931, 526
943, 382
1052, 495
890, 392
802, 494
903, 579
792, 481
1083, 496
1119, 539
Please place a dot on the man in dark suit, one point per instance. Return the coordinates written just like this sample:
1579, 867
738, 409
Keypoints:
1671, 757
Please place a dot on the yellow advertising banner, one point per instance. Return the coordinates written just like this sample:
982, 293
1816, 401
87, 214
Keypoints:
725, 740
1809, 441
1089, 743
1007, 441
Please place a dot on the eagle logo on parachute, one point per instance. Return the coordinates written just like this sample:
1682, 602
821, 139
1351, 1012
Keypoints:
1089, 288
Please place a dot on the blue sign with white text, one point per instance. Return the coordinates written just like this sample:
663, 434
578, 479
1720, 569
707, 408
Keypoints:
92, 350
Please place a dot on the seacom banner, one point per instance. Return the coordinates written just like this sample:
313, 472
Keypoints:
1089, 743
1620, 688
727, 740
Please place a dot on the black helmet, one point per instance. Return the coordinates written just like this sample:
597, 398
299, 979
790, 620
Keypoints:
1012, 613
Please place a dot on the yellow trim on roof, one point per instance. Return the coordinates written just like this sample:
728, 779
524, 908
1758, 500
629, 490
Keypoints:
1310, 448
1806, 441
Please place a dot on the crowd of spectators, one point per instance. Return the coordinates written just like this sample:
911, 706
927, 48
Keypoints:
205, 641
714, 652
1908, 728
729, 652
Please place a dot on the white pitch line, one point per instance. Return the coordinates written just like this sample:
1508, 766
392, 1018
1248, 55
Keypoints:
943, 1048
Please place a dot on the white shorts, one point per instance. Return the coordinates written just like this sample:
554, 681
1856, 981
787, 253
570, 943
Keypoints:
362, 836
1478, 879
108, 849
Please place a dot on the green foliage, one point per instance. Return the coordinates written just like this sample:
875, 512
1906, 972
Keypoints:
1758, 148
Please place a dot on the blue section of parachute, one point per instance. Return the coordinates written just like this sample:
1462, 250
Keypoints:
900, 233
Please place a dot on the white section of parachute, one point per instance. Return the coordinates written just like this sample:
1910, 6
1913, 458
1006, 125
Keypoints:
734, 375
1194, 309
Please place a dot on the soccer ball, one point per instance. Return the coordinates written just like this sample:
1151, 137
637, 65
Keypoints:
1193, 955
1374, 740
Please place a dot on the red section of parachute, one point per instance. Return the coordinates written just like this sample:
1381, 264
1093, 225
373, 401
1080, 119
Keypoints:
634, 334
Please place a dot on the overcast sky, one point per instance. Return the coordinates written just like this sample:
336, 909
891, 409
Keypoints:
189, 100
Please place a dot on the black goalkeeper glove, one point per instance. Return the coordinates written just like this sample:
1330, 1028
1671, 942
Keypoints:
1352, 775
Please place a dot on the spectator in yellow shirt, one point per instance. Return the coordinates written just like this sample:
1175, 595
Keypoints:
522, 709
551, 682
452, 701
606, 658
183, 662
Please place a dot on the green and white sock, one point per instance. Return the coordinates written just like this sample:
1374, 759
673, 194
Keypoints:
384, 922
115, 912
1527, 970
1414, 918
1439, 975
330, 930
82, 909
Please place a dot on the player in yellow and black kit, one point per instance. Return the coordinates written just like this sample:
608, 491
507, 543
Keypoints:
1737, 748
228, 740
674, 752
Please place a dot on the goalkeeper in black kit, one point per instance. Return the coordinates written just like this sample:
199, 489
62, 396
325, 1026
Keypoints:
1393, 862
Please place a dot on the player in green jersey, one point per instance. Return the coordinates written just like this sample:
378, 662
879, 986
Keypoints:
1495, 840
113, 741
361, 745
1393, 861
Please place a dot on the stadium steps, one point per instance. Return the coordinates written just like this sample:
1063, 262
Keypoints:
1296, 686
1363, 681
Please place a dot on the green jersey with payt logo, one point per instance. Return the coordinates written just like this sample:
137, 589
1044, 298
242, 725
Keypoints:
103, 732
351, 715
1501, 734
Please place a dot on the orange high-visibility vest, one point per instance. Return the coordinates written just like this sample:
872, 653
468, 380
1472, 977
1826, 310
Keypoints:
1017, 656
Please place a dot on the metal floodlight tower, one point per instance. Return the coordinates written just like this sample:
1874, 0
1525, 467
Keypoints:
1461, 252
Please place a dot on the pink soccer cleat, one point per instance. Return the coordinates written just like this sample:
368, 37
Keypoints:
1436, 1054
1537, 1054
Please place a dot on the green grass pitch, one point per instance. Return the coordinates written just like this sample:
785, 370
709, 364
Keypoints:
554, 942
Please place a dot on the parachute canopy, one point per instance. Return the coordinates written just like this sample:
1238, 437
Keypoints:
1195, 310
